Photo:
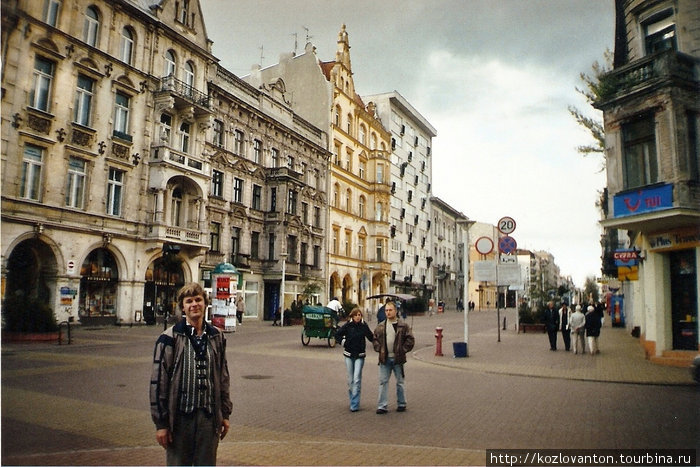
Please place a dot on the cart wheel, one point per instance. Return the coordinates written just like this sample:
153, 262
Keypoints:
304, 338
331, 342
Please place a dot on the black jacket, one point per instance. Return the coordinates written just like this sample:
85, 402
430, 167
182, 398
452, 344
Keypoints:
354, 335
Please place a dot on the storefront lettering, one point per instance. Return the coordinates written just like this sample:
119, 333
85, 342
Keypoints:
686, 238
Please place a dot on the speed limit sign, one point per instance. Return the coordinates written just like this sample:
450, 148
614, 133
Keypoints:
506, 225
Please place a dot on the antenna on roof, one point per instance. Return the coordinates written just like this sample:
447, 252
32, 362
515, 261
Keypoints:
307, 34
262, 48
296, 45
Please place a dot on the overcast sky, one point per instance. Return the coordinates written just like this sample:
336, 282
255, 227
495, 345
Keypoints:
494, 77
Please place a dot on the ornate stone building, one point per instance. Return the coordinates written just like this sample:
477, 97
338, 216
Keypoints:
359, 186
132, 163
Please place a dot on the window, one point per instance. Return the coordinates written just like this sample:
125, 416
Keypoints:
290, 161
361, 248
254, 245
235, 243
317, 216
257, 198
31, 173
75, 185
176, 207
304, 253
41, 84
189, 78
218, 137
660, 32
361, 207
305, 213
363, 135
379, 215
238, 147
336, 116
380, 173
380, 249
275, 154
121, 115
126, 46
348, 243
317, 256
292, 202
166, 125
51, 8
217, 183
336, 154
373, 142
693, 163
639, 153
273, 199
237, 190
183, 12
349, 125
91, 26
214, 235
271, 247
169, 69
348, 201
292, 249
83, 100
115, 185
348, 161
257, 151
185, 137
335, 241
362, 169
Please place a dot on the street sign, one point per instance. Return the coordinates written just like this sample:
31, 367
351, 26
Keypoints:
509, 259
506, 225
507, 244
484, 245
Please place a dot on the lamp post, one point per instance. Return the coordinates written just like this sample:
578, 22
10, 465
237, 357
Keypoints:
284, 267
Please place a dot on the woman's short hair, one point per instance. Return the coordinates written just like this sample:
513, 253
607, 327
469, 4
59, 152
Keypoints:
191, 290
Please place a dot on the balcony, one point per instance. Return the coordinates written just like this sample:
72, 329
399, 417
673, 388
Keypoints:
184, 94
179, 235
658, 70
169, 157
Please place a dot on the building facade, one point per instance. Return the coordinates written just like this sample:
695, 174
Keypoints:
411, 185
450, 233
359, 189
650, 105
123, 174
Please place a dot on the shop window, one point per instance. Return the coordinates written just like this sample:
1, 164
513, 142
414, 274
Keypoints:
98, 284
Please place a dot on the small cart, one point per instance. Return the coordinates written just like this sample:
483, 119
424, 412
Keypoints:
318, 321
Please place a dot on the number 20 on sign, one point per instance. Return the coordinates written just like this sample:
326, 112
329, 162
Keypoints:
506, 225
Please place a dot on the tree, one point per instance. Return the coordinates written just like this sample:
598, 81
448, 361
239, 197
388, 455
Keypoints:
595, 87
590, 289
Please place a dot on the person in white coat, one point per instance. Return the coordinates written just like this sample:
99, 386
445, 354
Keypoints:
578, 330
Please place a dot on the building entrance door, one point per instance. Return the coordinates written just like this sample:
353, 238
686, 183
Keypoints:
684, 299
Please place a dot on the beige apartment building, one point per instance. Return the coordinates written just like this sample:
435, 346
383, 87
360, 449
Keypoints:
359, 188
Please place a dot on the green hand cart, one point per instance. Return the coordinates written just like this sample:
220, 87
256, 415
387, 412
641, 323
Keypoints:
318, 321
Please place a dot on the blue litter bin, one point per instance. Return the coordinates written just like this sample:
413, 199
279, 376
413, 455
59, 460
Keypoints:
460, 349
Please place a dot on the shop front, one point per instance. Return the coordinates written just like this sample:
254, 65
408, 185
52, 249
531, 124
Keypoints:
164, 277
99, 286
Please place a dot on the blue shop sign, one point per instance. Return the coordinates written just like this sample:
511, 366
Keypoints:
643, 200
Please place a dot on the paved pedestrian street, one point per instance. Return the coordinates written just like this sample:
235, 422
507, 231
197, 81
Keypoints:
87, 403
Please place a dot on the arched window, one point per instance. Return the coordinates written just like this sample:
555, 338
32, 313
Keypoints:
176, 208
348, 201
336, 117
349, 125
373, 141
91, 26
126, 46
189, 75
363, 135
336, 195
361, 207
169, 69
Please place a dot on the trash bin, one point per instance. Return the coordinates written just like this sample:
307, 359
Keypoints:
460, 349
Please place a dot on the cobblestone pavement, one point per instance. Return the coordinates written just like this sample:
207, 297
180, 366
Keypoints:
87, 403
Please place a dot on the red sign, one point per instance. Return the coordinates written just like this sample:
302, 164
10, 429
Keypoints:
223, 287
626, 255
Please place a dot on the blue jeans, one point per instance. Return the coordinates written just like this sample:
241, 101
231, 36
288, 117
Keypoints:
354, 367
385, 371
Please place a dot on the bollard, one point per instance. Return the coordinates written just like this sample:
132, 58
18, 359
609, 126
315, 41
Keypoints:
438, 344
504, 323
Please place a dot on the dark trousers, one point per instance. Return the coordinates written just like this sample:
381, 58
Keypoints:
566, 335
195, 440
552, 333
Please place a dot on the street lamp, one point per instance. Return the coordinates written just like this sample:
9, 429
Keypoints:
466, 224
284, 267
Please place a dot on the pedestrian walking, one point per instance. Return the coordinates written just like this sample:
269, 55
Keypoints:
578, 330
593, 325
189, 392
551, 323
240, 308
564, 320
392, 339
352, 336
